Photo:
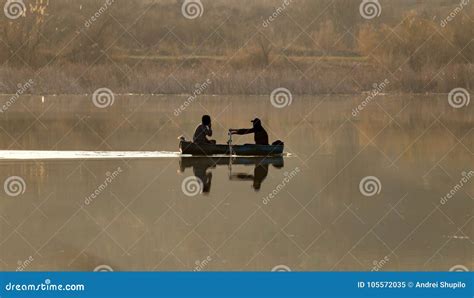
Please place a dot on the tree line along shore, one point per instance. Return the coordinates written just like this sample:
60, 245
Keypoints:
308, 47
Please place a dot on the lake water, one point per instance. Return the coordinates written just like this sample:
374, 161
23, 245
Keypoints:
130, 210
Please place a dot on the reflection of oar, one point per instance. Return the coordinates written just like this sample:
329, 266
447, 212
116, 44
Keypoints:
229, 142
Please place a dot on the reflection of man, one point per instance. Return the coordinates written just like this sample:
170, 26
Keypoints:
259, 174
200, 171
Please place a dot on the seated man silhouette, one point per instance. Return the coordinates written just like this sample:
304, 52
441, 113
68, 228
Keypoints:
203, 130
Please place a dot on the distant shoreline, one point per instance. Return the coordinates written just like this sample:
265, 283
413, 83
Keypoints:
308, 77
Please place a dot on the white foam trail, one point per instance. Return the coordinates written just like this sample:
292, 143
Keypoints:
43, 154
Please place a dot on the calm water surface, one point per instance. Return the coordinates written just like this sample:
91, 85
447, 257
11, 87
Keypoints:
132, 213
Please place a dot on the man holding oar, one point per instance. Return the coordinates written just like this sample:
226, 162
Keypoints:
260, 135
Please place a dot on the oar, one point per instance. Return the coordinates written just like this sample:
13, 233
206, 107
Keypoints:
229, 142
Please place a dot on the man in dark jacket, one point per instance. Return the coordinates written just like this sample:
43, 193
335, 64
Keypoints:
260, 135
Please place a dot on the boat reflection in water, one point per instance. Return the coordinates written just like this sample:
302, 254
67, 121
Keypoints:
201, 168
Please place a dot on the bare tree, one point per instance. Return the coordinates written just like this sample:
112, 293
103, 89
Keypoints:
23, 36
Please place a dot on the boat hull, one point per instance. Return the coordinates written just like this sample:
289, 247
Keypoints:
248, 150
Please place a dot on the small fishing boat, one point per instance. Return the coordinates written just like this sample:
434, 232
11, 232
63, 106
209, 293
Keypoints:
187, 147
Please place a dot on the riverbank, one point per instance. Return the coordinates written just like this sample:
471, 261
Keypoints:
235, 75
